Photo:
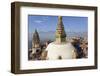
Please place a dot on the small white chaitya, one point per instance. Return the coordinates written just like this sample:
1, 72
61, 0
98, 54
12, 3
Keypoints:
60, 48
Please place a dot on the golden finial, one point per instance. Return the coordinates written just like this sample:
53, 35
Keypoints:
60, 18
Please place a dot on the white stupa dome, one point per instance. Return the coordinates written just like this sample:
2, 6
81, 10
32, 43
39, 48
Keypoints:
64, 50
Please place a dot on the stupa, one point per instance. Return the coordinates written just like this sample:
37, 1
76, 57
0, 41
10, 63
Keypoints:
60, 48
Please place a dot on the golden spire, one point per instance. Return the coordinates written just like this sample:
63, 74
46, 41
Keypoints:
60, 18
60, 23
60, 32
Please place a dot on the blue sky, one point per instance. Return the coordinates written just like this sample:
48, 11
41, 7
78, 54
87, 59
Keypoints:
49, 23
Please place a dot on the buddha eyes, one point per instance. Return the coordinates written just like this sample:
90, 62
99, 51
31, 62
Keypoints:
59, 57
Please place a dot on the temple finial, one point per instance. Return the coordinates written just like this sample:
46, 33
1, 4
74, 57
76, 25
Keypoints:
35, 30
60, 18
60, 32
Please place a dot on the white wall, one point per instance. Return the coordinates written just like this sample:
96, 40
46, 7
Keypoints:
5, 42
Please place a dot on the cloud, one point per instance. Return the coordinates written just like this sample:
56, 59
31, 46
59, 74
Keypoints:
45, 18
38, 21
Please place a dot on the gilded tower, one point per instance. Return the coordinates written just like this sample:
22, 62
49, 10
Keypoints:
60, 32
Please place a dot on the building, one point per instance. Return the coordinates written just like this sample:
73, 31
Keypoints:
36, 48
84, 46
60, 48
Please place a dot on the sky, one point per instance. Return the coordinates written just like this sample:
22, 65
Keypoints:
49, 23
